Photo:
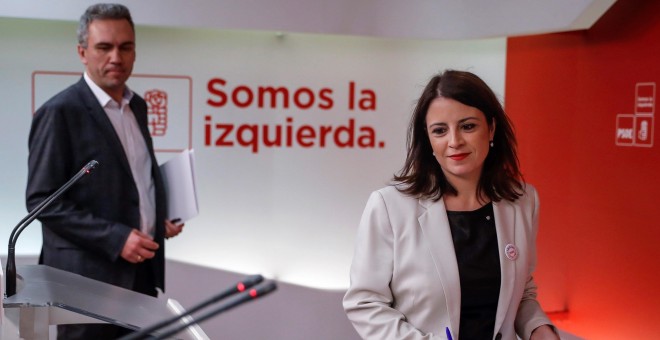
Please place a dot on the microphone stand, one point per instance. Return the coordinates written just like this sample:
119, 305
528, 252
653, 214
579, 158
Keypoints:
241, 298
239, 287
11, 257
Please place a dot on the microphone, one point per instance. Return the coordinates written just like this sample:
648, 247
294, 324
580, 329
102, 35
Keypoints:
250, 295
243, 296
11, 257
241, 286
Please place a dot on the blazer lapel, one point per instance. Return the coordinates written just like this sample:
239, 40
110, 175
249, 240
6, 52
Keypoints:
105, 126
435, 227
505, 219
142, 121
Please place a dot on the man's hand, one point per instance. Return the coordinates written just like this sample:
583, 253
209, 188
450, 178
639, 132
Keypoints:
172, 228
138, 247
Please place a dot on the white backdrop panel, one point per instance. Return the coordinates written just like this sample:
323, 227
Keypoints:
289, 211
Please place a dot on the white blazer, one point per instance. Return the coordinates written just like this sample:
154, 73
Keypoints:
404, 275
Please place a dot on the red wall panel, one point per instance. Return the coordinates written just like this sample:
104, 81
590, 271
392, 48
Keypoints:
599, 242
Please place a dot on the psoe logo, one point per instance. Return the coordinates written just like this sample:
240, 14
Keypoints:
625, 130
169, 109
168, 97
637, 129
157, 111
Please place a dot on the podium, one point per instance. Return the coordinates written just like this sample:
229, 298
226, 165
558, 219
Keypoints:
48, 296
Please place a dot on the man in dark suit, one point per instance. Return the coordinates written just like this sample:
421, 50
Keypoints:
111, 225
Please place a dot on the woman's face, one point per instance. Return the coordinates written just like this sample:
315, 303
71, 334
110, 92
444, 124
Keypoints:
460, 138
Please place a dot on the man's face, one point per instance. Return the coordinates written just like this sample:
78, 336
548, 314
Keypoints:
109, 55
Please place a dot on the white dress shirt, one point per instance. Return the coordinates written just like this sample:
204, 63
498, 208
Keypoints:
135, 148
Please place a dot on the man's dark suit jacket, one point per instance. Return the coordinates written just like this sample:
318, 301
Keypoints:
85, 230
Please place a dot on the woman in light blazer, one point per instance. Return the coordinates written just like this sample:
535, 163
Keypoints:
448, 250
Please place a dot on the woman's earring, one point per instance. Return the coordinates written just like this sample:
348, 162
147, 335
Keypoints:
491, 144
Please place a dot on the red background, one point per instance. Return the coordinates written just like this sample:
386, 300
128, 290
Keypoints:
599, 242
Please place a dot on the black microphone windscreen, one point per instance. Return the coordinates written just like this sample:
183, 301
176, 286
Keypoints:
91, 166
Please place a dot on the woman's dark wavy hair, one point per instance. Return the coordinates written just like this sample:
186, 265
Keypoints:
421, 175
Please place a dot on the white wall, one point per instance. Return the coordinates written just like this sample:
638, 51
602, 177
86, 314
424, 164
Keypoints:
289, 213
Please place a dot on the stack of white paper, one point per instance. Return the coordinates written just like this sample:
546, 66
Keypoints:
179, 178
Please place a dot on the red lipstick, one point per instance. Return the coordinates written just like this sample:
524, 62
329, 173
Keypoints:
459, 156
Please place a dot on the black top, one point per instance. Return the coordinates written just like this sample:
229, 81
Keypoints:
475, 242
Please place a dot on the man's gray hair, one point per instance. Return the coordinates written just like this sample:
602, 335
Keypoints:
101, 12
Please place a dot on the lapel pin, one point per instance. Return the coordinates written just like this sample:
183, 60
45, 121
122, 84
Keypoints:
511, 252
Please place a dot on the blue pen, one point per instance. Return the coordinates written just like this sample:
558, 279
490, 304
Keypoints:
448, 333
